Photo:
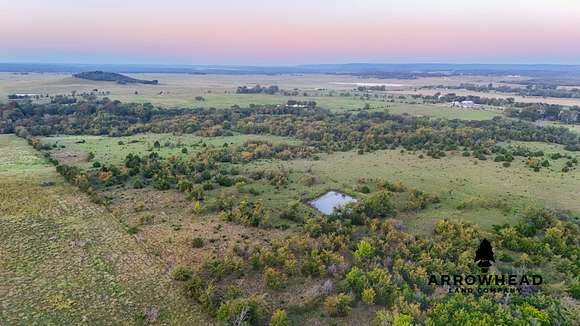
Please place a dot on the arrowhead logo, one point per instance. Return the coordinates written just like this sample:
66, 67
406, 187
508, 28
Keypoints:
484, 256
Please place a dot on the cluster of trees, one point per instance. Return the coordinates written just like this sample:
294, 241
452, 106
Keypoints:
525, 111
381, 88
530, 89
543, 90
95, 117
322, 129
257, 89
536, 159
550, 112
375, 263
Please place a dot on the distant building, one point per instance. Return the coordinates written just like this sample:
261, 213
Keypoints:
301, 104
464, 104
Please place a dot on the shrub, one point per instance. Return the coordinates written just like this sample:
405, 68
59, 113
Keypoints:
250, 310
368, 296
385, 317
181, 273
197, 242
338, 305
376, 205
364, 249
137, 184
365, 189
273, 278
210, 299
194, 287
228, 265
279, 318
574, 290
290, 266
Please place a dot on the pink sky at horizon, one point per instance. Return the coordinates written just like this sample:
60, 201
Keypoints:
269, 32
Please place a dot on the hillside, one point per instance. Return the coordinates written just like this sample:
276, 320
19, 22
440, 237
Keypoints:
111, 76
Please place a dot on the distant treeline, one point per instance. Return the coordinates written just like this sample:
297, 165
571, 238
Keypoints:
273, 89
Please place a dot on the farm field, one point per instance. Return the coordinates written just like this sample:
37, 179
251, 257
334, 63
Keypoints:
66, 260
179, 90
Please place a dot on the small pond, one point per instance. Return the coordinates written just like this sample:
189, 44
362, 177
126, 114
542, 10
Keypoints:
327, 203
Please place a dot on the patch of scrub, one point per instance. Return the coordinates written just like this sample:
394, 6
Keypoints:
327, 203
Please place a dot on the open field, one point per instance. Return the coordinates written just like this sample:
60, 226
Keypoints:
455, 179
68, 261
113, 150
471, 180
179, 90
192, 85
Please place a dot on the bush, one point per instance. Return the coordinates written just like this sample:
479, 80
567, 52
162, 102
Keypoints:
137, 184
279, 318
365, 189
197, 242
364, 249
222, 267
338, 305
181, 273
574, 290
194, 287
377, 205
249, 310
368, 296
273, 278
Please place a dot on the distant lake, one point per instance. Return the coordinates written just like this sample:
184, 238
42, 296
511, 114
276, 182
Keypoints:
327, 203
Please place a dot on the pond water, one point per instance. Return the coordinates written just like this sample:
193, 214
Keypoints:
327, 203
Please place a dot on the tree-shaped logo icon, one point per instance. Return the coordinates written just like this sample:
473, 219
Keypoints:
484, 256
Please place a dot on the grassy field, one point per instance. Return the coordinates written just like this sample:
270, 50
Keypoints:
114, 150
476, 184
457, 180
66, 261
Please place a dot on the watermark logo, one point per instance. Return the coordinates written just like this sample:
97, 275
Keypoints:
484, 256
485, 281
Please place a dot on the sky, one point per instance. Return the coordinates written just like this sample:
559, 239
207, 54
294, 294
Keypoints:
261, 32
